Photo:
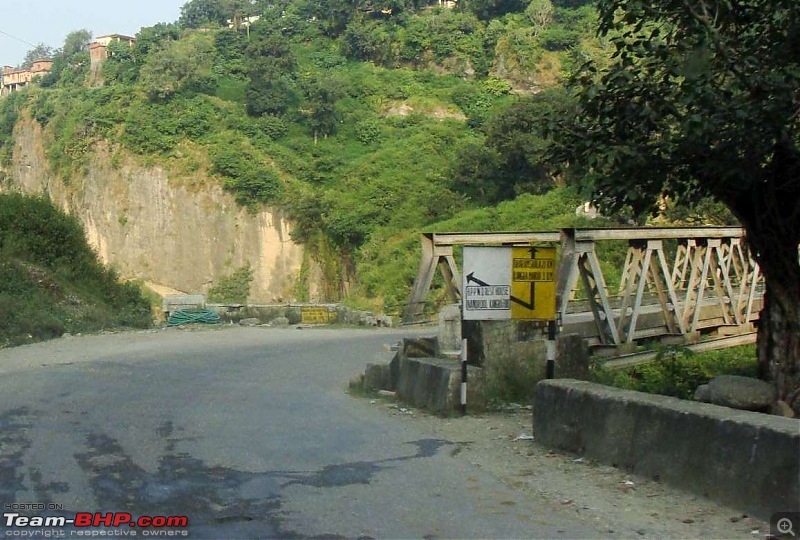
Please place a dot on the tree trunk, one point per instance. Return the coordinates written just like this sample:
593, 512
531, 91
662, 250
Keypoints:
779, 325
779, 346
767, 207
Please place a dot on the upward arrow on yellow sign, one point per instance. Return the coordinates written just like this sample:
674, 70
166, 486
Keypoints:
533, 283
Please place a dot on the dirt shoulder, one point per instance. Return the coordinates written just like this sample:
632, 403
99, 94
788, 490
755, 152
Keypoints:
623, 505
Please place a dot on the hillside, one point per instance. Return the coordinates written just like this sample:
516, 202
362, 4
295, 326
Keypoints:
51, 281
362, 126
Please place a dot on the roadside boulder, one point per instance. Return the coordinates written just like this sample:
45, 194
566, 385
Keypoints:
250, 322
356, 382
421, 347
279, 322
702, 393
738, 392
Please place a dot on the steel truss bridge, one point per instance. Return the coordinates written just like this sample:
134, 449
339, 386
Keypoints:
677, 284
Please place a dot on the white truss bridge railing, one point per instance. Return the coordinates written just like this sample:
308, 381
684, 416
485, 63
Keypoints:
676, 284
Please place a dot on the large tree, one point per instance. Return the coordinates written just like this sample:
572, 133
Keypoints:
488, 9
76, 42
703, 97
513, 157
183, 64
41, 51
199, 13
271, 89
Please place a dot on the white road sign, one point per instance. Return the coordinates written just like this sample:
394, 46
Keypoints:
487, 283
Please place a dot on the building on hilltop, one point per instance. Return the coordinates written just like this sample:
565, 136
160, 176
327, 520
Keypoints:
17, 78
242, 22
98, 49
110, 38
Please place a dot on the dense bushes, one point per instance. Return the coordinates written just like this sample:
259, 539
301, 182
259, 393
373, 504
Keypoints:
50, 279
678, 372
246, 175
513, 156
232, 289
9, 113
33, 229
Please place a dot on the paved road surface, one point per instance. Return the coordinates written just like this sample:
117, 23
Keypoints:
248, 432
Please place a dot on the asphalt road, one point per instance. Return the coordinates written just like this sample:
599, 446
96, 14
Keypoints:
247, 431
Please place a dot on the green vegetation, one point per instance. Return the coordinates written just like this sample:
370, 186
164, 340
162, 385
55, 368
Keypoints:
678, 371
9, 114
364, 122
367, 122
703, 100
232, 289
365, 125
51, 281
511, 379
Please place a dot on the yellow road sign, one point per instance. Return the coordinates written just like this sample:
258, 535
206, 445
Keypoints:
533, 283
316, 315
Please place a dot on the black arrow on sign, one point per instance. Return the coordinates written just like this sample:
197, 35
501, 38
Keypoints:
471, 277
532, 303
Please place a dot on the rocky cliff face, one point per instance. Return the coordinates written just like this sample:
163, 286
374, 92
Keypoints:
159, 229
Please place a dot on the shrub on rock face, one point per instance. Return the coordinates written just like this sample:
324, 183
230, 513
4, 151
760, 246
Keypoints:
232, 289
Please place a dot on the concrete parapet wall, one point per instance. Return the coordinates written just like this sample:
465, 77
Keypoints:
425, 382
434, 384
744, 459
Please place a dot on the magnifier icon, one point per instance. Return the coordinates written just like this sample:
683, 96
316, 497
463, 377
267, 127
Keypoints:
784, 526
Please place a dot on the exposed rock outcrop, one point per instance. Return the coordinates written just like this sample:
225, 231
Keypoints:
166, 230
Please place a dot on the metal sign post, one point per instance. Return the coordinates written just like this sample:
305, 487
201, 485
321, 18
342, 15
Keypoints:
463, 376
550, 355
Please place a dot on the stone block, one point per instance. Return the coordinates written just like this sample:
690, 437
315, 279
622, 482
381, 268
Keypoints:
279, 322
176, 302
572, 357
434, 384
450, 327
739, 392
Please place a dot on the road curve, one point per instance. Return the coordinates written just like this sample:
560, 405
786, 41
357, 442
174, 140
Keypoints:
246, 431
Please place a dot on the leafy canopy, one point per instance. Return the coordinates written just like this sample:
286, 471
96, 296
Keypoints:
39, 52
702, 97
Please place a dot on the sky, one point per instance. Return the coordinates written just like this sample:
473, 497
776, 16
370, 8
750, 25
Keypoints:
49, 21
